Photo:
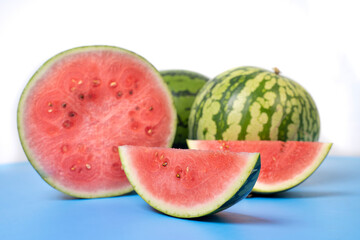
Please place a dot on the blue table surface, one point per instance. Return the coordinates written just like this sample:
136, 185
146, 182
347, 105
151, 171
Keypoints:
325, 206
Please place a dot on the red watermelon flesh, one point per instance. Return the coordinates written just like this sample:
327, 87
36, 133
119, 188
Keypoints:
80, 106
283, 164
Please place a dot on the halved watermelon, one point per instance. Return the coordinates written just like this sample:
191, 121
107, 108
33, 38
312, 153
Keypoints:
189, 183
284, 165
80, 106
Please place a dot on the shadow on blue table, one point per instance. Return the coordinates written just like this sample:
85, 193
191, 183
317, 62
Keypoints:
233, 217
225, 217
300, 194
63, 196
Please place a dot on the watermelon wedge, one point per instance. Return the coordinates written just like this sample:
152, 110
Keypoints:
80, 106
284, 165
189, 183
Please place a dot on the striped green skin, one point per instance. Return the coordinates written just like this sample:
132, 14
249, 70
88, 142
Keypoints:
249, 103
184, 85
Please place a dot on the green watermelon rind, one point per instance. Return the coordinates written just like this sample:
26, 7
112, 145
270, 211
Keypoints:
282, 108
190, 91
190, 74
287, 185
268, 189
31, 156
238, 191
246, 188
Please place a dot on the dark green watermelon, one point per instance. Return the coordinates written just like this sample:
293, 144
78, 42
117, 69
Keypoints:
184, 85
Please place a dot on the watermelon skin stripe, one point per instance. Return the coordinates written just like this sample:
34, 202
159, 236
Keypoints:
250, 103
183, 93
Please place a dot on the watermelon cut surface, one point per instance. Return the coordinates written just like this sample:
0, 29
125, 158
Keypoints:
189, 183
80, 106
284, 165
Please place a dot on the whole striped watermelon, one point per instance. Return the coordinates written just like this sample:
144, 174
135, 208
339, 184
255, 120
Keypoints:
250, 103
184, 85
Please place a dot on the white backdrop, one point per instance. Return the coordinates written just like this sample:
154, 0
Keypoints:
316, 43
